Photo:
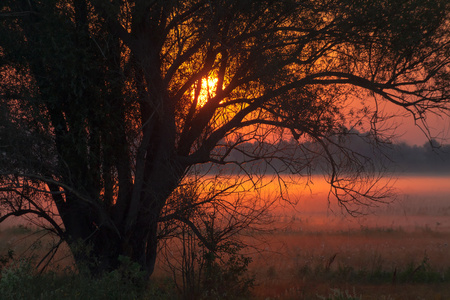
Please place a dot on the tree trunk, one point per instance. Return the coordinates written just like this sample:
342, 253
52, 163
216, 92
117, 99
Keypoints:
97, 244
98, 249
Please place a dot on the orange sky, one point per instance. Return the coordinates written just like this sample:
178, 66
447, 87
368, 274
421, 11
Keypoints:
402, 127
411, 134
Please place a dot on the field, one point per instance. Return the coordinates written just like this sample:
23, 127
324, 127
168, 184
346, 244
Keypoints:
395, 251
399, 250
377, 263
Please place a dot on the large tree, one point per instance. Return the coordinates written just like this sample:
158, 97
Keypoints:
106, 106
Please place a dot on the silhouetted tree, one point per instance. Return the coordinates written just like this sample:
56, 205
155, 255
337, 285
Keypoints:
106, 106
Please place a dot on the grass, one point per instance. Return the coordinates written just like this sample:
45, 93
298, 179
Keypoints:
372, 262
365, 262
19, 281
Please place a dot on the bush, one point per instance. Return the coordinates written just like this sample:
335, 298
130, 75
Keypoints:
200, 273
226, 278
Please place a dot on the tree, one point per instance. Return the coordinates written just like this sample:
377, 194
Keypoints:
106, 106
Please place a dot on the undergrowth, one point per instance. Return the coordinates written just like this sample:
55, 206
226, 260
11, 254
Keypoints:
20, 280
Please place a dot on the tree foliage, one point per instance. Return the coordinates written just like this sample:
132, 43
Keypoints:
107, 106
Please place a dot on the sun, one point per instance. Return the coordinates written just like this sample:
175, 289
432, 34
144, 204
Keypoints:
207, 91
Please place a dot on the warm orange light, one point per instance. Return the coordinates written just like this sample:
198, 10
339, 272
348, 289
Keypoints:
207, 91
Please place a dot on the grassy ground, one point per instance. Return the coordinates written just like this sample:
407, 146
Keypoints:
295, 262
370, 263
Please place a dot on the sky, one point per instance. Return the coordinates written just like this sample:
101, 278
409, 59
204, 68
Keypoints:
408, 132
401, 125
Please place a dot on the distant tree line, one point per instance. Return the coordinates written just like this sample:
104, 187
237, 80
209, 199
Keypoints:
397, 157
428, 158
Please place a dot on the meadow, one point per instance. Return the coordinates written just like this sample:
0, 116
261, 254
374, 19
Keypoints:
398, 250
368, 262
311, 251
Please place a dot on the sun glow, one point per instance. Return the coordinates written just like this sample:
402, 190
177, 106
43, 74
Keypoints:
207, 91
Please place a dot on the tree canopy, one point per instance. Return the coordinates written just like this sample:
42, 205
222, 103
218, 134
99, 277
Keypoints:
107, 106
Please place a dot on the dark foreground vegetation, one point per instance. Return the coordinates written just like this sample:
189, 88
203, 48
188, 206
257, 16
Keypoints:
323, 275
21, 281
